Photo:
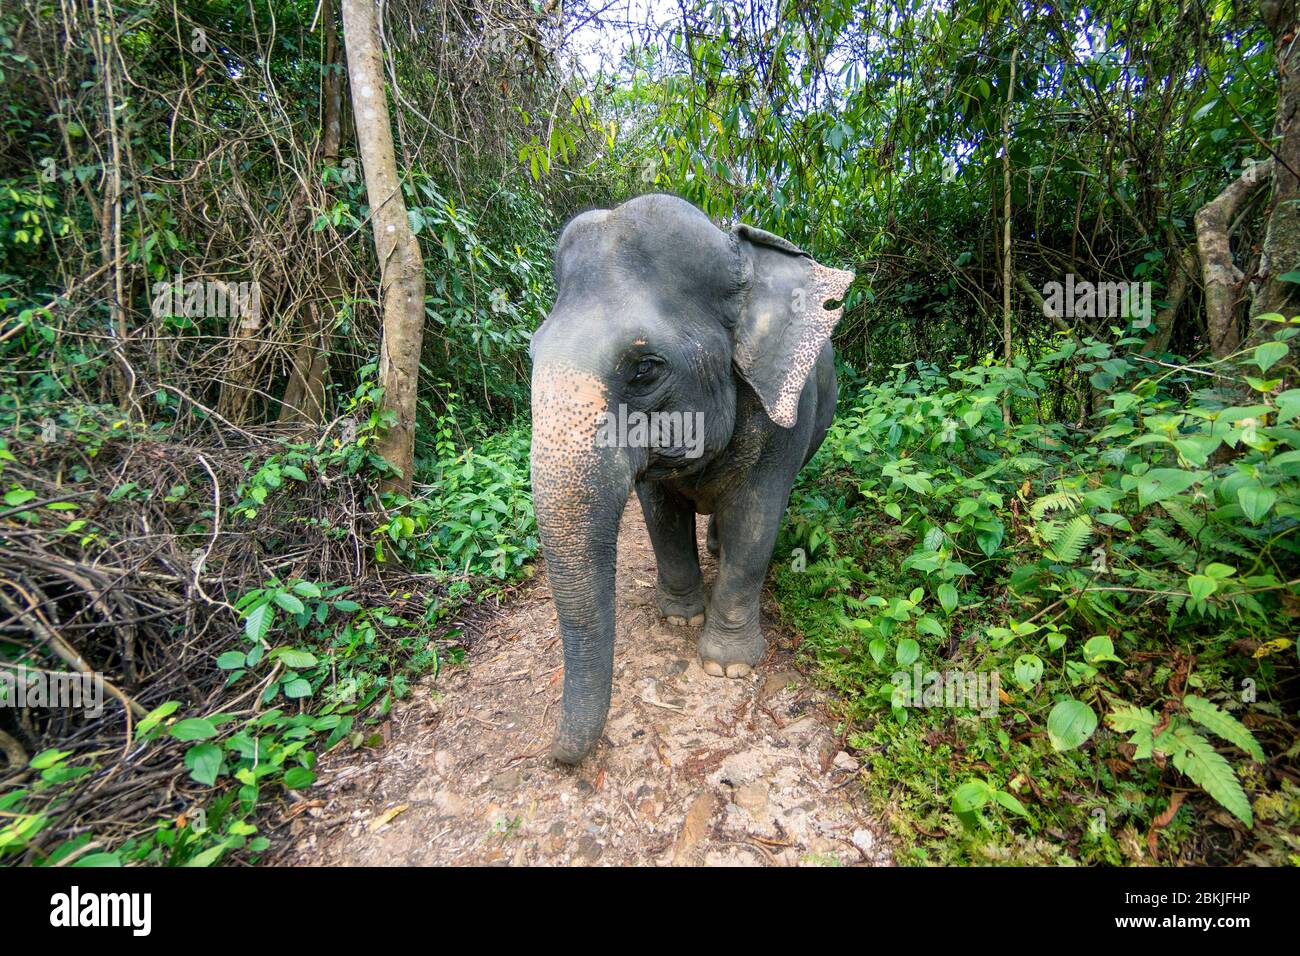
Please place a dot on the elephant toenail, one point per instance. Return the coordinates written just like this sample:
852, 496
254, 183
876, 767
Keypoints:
739, 670
713, 669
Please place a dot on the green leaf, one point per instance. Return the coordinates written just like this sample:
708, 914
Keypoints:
231, 660
877, 650
1222, 724
19, 496
204, 762
297, 688
1138, 721
1010, 802
299, 778
288, 602
968, 799
296, 659
1068, 548
257, 621
1256, 501
1201, 586
907, 651
155, 717
947, 595
48, 758
209, 856
1028, 670
1161, 483
195, 728
1100, 648
1288, 405
1268, 354
928, 625
1070, 723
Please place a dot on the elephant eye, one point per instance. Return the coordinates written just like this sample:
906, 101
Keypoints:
643, 369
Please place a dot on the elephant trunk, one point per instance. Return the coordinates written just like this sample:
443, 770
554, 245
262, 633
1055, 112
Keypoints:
579, 492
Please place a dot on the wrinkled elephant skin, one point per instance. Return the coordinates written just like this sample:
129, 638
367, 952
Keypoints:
694, 365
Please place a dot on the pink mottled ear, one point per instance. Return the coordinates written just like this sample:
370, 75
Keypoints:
783, 320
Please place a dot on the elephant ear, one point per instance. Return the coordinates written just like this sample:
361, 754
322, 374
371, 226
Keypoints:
782, 320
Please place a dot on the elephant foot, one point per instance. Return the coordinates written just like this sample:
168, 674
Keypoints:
714, 669
681, 611
731, 653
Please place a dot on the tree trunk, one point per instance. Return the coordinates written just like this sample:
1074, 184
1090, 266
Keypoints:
304, 395
1181, 275
1280, 250
401, 268
1006, 228
1219, 274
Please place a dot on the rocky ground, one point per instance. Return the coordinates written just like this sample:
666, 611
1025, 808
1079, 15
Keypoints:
694, 770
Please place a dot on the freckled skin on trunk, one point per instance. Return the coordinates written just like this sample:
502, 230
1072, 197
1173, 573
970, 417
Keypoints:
579, 491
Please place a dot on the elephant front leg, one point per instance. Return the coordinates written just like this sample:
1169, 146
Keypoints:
732, 644
670, 519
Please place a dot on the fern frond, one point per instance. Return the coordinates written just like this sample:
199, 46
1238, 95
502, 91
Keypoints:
1057, 501
1196, 757
1222, 724
1193, 525
1074, 537
1169, 547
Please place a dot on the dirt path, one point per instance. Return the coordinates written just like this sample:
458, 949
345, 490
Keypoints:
693, 770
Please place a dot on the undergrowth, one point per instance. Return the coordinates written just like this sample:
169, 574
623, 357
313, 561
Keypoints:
1133, 583
249, 597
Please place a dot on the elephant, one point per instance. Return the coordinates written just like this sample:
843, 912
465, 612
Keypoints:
659, 312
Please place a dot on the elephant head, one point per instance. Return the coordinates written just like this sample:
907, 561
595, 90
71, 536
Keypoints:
658, 310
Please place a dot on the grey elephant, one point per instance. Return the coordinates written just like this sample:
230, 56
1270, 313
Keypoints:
662, 315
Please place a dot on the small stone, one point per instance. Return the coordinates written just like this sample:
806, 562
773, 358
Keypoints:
864, 840
778, 682
507, 780
845, 761
589, 849
450, 804
694, 827
676, 667
752, 797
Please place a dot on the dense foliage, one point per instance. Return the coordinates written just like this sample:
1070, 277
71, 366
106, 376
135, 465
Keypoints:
1137, 575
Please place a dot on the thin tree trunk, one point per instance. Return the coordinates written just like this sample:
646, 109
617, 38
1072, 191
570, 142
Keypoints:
1280, 250
401, 267
1181, 275
1006, 227
304, 395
